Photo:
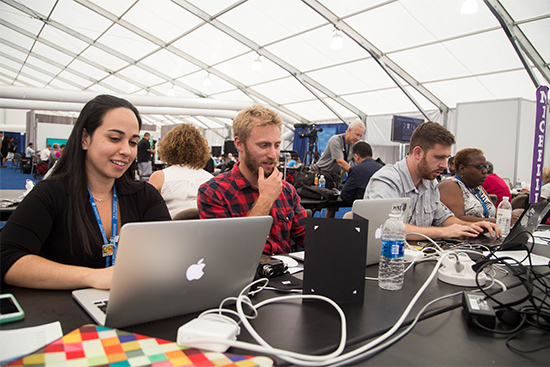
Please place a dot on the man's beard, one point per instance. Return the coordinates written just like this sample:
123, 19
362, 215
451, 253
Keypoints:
253, 164
425, 171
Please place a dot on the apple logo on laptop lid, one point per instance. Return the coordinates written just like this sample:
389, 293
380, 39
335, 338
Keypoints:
195, 271
378, 232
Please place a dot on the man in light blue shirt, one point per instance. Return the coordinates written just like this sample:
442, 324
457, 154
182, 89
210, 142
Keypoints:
29, 151
415, 177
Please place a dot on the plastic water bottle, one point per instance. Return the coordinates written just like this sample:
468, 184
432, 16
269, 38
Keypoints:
322, 181
504, 215
391, 267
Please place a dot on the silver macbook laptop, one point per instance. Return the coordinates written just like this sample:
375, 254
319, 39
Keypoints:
171, 268
377, 211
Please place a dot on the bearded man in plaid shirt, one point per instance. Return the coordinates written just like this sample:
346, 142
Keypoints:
255, 187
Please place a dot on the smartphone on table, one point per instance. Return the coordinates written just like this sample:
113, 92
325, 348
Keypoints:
10, 309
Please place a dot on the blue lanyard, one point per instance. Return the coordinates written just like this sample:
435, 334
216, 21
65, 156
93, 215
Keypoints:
477, 196
109, 248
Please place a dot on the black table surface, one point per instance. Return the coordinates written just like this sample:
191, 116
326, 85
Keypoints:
446, 340
309, 327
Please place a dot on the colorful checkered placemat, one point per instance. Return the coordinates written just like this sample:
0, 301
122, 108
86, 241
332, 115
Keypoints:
93, 345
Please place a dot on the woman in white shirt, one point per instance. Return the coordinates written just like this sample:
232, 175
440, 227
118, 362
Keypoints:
185, 152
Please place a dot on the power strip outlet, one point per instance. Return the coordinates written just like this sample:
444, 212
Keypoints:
458, 271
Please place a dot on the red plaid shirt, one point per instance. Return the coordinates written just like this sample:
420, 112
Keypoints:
231, 195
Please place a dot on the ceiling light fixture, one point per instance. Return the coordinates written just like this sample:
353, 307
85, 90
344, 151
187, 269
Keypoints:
172, 91
257, 64
469, 7
207, 81
337, 40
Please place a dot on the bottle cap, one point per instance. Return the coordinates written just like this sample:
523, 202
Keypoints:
395, 213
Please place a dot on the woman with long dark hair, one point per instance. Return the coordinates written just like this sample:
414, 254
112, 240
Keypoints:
6, 148
63, 235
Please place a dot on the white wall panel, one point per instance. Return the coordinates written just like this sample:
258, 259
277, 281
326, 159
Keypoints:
45, 131
504, 130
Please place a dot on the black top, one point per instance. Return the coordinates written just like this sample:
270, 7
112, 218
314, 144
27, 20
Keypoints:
143, 155
39, 225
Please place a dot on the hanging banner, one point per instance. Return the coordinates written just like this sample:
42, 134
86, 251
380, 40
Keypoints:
538, 147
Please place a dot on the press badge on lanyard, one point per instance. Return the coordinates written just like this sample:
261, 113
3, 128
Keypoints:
109, 248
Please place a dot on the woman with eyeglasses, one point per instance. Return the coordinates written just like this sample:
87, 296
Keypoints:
462, 193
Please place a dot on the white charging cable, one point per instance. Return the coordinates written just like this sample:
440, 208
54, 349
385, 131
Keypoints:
315, 360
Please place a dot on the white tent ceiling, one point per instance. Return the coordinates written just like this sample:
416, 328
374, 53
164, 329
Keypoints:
427, 54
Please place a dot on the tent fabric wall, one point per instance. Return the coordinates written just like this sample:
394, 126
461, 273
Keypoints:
507, 140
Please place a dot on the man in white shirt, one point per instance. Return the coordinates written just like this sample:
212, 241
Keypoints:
45, 153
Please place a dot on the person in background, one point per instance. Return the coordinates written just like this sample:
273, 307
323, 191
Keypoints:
254, 186
144, 156
415, 177
230, 158
495, 185
29, 151
185, 152
545, 189
229, 162
449, 171
293, 161
7, 147
210, 164
451, 165
463, 193
337, 153
45, 153
359, 174
53, 239
54, 155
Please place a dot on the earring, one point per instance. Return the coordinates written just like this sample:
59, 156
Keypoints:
84, 148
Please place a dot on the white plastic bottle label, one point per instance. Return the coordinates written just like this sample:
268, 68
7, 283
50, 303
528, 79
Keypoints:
392, 248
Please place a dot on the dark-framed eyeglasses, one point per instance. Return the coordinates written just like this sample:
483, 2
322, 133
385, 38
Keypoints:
481, 167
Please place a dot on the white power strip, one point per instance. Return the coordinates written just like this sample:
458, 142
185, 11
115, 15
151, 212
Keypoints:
458, 271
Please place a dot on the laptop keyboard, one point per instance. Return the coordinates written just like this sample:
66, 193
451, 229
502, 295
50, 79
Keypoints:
102, 305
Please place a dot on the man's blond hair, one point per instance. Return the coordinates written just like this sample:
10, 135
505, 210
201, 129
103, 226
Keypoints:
255, 115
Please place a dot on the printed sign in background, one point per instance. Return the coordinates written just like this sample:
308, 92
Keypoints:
538, 146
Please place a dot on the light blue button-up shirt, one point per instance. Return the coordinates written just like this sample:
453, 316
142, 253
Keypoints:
395, 181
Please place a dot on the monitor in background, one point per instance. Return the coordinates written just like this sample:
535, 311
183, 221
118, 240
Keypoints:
402, 128
229, 147
52, 141
216, 150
